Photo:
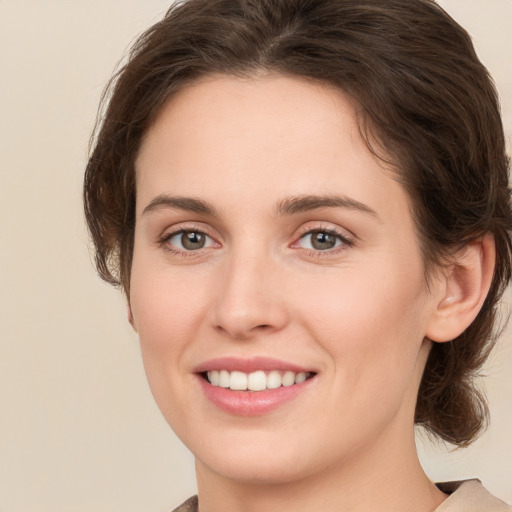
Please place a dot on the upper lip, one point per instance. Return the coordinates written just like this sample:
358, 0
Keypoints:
248, 365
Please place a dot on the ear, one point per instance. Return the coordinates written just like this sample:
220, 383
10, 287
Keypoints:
130, 315
463, 288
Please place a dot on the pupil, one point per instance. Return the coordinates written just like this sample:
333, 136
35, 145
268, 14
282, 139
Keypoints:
192, 240
323, 241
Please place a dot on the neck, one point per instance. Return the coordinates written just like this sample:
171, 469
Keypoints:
386, 477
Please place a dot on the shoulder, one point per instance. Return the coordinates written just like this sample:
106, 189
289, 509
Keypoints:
189, 506
470, 496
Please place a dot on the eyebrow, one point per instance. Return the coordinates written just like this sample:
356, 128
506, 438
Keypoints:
288, 206
300, 204
190, 204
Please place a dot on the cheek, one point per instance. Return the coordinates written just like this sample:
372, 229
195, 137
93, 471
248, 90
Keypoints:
166, 310
365, 300
166, 323
165, 304
371, 322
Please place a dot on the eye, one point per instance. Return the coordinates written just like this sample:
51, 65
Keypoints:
322, 240
189, 240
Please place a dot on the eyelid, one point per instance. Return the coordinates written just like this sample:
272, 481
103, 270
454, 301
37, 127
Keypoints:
327, 227
170, 232
347, 238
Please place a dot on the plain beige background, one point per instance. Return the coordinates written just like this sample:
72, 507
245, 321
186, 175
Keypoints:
78, 427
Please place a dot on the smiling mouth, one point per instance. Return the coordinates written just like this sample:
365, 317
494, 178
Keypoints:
255, 381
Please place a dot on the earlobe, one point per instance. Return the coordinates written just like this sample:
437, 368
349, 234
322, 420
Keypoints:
465, 284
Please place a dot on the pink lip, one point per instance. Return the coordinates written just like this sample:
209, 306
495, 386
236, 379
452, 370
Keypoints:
250, 403
248, 365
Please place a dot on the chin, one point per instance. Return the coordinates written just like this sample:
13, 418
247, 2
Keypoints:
269, 470
253, 456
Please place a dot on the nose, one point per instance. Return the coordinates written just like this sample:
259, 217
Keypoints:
251, 298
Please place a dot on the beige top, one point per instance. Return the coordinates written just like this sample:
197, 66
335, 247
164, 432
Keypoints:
465, 496
470, 496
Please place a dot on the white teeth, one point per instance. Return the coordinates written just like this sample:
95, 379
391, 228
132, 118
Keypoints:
238, 381
288, 379
300, 377
214, 377
255, 381
274, 380
224, 379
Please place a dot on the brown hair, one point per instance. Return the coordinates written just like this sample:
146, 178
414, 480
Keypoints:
422, 94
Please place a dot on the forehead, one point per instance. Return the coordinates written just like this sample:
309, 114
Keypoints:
270, 110
259, 138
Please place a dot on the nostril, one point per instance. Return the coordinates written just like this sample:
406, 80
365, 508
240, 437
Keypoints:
242, 332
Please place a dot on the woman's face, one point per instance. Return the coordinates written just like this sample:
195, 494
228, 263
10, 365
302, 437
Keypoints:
271, 246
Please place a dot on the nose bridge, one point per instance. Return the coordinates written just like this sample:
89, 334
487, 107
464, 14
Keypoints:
248, 299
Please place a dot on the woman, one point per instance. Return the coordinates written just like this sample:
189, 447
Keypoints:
306, 203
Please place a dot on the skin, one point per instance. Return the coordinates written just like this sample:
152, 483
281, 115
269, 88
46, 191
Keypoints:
357, 314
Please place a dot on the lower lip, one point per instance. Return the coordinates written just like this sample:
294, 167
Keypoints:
252, 403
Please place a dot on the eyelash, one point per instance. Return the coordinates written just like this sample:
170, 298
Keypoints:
346, 242
165, 239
